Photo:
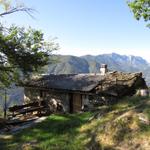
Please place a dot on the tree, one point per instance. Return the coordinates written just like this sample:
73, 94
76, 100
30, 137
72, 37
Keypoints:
22, 51
141, 9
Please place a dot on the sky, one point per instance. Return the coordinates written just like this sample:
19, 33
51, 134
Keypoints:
87, 26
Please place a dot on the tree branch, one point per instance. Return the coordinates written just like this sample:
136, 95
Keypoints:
17, 9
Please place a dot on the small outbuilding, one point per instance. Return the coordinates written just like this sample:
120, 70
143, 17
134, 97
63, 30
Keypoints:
75, 91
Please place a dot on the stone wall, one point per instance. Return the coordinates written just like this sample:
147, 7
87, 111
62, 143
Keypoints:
59, 96
35, 94
31, 95
85, 100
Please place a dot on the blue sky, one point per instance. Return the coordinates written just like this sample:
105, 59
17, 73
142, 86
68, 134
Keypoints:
88, 26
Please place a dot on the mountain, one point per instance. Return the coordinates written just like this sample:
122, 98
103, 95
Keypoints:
89, 63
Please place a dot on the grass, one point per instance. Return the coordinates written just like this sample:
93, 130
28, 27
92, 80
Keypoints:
119, 127
57, 132
115, 126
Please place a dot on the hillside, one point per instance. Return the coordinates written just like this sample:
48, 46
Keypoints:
122, 126
88, 63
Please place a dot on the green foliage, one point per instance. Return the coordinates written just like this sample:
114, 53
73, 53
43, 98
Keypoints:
22, 51
141, 9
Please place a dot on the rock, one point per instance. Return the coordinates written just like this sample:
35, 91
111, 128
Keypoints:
54, 105
144, 119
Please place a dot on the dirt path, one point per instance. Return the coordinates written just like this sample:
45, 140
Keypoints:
15, 129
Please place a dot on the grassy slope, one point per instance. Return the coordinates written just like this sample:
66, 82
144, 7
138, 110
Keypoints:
58, 132
114, 127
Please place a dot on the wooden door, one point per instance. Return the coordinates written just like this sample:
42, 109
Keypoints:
77, 102
71, 103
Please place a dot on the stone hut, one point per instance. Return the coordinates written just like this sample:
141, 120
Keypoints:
74, 90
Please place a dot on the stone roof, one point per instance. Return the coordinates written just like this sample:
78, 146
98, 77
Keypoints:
113, 83
72, 82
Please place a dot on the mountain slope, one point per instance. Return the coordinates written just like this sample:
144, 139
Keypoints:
88, 63
68, 64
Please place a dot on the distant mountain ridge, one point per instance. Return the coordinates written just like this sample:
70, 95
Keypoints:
91, 64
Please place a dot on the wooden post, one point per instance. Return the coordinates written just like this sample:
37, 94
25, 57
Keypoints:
5, 105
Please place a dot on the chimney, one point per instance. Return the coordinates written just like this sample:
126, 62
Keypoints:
103, 69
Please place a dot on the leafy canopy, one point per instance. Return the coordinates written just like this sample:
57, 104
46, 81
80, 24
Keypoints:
141, 9
22, 51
